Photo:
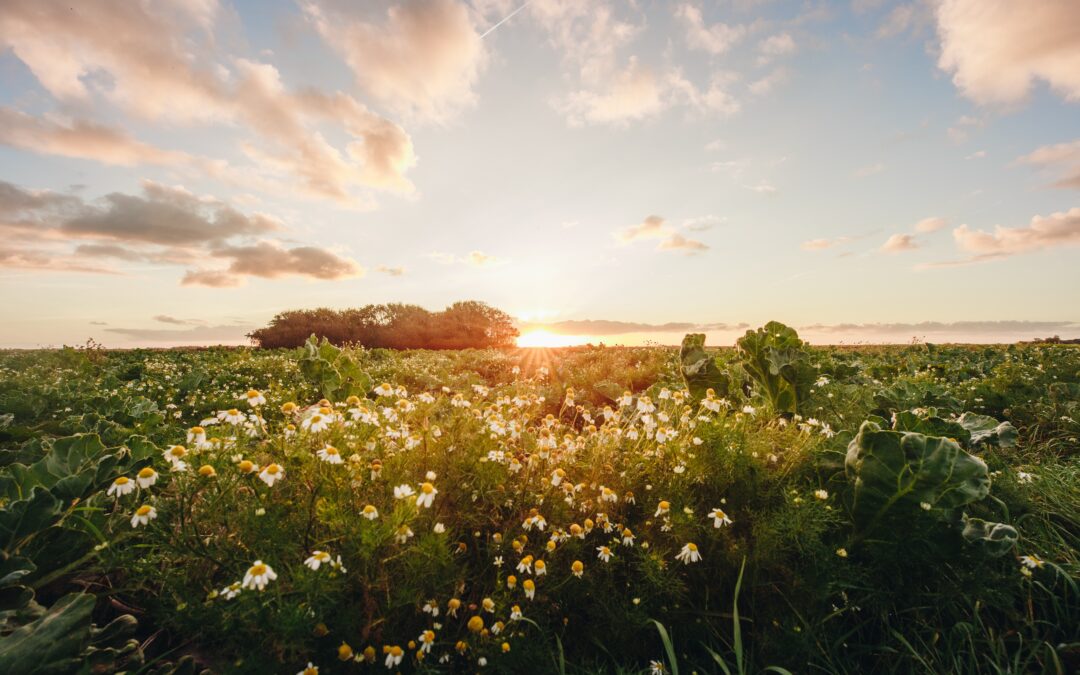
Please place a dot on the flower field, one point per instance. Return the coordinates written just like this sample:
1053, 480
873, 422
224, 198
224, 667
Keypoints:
771, 506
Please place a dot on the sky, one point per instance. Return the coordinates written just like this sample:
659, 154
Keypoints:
179, 171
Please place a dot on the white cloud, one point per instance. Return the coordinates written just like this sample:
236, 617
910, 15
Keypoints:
653, 227
822, 244
714, 39
678, 242
996, 49
634, 93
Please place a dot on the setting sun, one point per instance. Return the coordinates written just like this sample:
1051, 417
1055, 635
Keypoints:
545, 338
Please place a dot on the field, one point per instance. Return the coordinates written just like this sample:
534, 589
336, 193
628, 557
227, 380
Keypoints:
772, 506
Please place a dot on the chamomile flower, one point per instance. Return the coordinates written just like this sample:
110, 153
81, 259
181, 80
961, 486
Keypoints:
232, 590
311, 669
662, 508
175, 457
427, 495
316, 423
525, 565
247, 466
394, 655
258, 576
427, 641
577, 569
489, 605
403, 492
317, 558
689, 554
821, 494
146, 477
604, 553
207, 471
370, 512
720, 518
121, 486
197, 437
271, 474
255, 399
452, 606
231, 416
1031, 561
344, 652
530, 588
541, 568
143, 515
330, 455
403, 534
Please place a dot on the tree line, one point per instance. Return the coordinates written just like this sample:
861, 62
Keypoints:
462, 325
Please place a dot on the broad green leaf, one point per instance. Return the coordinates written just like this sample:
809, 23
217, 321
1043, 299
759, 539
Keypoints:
997, 539
699, 368
52, 644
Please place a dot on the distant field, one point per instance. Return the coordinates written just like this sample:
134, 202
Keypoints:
621, 510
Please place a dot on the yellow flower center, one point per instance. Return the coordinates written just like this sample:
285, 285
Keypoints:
476, 624
665, 506
177, 451
233, 412
144, 509
325, 410
578, 566
331, 450
691, 547
246, 465
146, 472
197, 431
257, 570
369, 509
252, 393
288, 407
529, 585
273, 469
122, 480
206, 470
427, 488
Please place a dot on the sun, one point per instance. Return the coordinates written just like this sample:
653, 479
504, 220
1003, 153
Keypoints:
545, 338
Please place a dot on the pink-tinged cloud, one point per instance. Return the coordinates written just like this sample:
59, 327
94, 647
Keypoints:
928, 225
900, 242
420, 59
1044, 232
997, 49
1063, 159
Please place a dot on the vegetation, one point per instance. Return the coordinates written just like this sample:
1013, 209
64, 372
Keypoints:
773, 507
462, 325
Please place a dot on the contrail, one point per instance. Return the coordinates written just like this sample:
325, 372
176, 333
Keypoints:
507, 18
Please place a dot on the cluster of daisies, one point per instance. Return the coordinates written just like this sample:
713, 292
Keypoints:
545, 455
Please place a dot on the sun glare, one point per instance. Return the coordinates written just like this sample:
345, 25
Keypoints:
545, 338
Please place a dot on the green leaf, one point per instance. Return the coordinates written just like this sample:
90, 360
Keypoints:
904, 469
996, 538
986, 430
51, 644
699, 368
28, 516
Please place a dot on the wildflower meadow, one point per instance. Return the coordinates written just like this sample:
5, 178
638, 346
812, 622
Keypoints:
771, 507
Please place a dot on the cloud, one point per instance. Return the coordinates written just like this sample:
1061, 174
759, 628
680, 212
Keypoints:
605, 327
422, 59
222, 334
391, 271
167, 216
165, 318
775, 46
766, 84
156, 61
652, 227
955, 327
1062, 159
703, 223
80, 139
927, 225
870, 170
480, 259
633, 93
211, 278
996, 49
714, 39
166, 225
763, 188
270, 260
900, 242
822, 244
1057, 229
678, 242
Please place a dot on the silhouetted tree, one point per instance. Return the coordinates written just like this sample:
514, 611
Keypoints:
396, 326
